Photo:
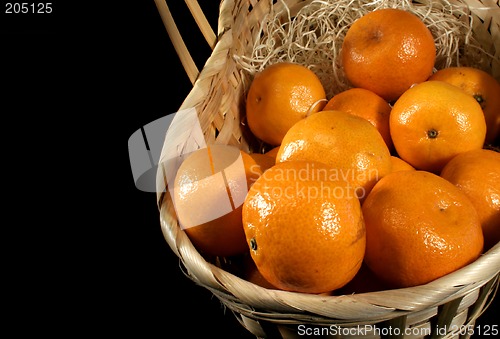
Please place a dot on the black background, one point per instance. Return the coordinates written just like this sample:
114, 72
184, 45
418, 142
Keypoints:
81, 81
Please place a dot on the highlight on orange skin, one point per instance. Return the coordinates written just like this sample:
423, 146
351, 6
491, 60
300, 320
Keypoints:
480, 85
419, 227
428, 133
387, 51
209, 189
365, 104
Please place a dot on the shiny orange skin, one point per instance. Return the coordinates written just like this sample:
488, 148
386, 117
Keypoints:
365, 104
252, 274
273, 152
305, 230
279, 96
200, 189
483, 87
419, 227
477, 174
263, 161
399, 164
387, 51
350, 144
432, 122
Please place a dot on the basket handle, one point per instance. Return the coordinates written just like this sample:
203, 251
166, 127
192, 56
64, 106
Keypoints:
176, 38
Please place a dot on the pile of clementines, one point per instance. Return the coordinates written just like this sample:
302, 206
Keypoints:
391, 183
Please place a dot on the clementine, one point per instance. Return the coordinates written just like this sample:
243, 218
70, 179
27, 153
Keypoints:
304, 227
280, 95
419, 227
477, 174
483, 87
366, 104
399, 164
209, 189
252, 274
387, 51
434, 121
350, 144
263, 160
273, 152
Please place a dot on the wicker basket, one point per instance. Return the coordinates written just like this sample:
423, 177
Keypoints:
441, 308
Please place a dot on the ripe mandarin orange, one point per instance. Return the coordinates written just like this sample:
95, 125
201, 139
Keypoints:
280, 95
477, 174
209, 189
304, 227
273, 152
252, 274
483, 87
263, 161
365, 104
419, 227
348, 143
387, 51
399, 164
434, 121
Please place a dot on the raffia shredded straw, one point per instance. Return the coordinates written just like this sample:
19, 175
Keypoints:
313, 36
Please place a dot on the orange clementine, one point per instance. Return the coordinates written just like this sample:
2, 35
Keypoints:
434, 121
280, 95
350, 144
419, 227
304, 227
399, 164
273, 152
387, 51
263, 160
209, 189
252, 274
366, 104
483, 87
477, 174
